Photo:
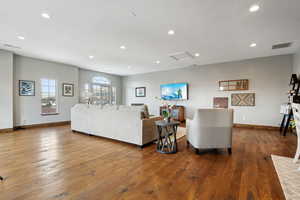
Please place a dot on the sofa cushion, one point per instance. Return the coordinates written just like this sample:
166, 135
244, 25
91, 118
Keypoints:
109, 107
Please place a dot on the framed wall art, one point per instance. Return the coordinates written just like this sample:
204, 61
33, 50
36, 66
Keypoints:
26, 88
140, 92
243, 99
68, 90
220, 102
234, 85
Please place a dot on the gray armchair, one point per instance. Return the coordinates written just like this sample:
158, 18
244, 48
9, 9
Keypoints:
210, 129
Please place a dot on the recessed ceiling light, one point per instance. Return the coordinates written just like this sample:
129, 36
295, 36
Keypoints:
91, 57
122, 47
45, 15
253, 45
171, 32
254, 8
157, 62
21, 37
197, 54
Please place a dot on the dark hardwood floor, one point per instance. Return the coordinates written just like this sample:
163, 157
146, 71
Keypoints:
54, 163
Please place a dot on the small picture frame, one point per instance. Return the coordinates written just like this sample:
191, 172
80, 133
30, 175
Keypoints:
26, 88
220, 102
68, 89
140, 92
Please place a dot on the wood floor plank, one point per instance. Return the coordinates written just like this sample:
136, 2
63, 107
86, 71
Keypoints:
55, 163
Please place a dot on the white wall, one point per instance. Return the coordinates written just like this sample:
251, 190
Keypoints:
269, 78
27, 109
86, 76
296, 63
6, 90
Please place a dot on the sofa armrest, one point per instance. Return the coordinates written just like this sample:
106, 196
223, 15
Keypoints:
149, 129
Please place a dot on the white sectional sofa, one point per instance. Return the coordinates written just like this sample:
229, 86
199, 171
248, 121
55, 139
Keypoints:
121, 123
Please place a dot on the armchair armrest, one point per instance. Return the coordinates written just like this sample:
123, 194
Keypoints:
149, 129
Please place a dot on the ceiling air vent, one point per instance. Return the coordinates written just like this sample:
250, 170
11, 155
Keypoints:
181, 56
11, 46
282, 45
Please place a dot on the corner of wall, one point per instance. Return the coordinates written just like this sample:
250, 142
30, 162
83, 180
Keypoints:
6, 89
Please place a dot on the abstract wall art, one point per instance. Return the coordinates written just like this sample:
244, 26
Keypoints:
243, 99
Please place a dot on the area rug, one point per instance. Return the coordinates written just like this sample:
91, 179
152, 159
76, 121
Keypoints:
289, 176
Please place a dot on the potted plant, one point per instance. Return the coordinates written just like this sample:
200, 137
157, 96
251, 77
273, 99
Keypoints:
167, 109
166, 113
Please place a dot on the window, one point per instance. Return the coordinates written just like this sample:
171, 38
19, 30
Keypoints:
113, 95
99, 91
105, 93
49, 97
85, 94
101, 80
86, 88
102, 94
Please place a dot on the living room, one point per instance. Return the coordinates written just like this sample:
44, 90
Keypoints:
149, 100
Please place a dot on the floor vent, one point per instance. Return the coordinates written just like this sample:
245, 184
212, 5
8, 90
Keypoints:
181, 56
282, 45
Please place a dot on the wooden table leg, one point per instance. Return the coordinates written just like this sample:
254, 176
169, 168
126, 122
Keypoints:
287, 124
165, 133
282, 123
159, 139
175, 137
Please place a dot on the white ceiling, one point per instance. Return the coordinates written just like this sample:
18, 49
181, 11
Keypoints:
219, 30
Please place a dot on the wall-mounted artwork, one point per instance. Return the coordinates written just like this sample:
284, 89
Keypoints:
174, 91
68, 90
220, 102
26, 88
234, 85
243, 99
140, 92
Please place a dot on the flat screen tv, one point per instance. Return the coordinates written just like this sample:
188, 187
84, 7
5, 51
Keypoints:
174, 91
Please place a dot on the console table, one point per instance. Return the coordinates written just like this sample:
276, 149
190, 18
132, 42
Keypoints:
166, 136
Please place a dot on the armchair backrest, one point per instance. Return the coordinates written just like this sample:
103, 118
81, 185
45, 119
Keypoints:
211, 128
214, 117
